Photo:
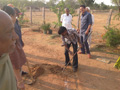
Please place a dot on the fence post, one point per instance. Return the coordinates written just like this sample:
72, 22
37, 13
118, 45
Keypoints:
59, 16
78, 23
43, 15
109, 17
31, 14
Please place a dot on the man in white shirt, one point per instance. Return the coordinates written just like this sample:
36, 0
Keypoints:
66, 19
89, 39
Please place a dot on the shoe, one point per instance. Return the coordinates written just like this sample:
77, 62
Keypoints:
81, 53
89, 55
24, 73
75, 69
68, 64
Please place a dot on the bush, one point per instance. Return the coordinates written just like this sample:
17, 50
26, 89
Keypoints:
112, 36
46, 27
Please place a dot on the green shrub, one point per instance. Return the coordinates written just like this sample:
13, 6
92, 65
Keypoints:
112, 36
46, 27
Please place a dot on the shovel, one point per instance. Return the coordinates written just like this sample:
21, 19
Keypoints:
32, 80
76, 52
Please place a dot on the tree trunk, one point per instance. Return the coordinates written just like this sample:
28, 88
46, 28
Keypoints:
43, 15
109, 17
119, 6
119, 9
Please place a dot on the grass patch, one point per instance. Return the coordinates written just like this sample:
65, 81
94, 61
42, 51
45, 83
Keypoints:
106, 49
54, 36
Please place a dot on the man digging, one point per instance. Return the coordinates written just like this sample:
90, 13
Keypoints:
72, 38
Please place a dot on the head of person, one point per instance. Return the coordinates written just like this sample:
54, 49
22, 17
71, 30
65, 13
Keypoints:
11, 5
10, 11
88, 9
62, 31
67, 11
17, 11
7, 34
82, 8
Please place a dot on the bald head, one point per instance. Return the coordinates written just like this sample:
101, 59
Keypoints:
5, 20
7, 33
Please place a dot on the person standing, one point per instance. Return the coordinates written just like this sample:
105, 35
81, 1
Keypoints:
86, 22
17, 57
18, 31
7, 44
89, 39
66, 19
18, 27
73, 37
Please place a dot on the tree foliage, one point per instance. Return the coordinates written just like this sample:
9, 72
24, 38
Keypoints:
59, 9
86, 2
116, 2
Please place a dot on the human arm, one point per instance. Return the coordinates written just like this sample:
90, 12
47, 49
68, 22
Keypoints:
78, 37
89, 19
92, 19
20, 83
66, 47
61, 19
88, 29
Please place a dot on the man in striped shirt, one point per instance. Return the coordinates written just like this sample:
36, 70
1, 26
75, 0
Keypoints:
72, 38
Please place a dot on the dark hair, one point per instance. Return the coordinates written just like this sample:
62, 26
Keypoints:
61, 30
9, 10
83, 6
17, 10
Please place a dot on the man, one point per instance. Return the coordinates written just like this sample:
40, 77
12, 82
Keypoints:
7, 44
86, 22
66, 19
18, 31
18, 27
72, 36
89, 39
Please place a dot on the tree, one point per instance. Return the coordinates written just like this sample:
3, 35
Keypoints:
51, 3
72, 3
116, 2
96, 6
103, 6
59, 9
86, 2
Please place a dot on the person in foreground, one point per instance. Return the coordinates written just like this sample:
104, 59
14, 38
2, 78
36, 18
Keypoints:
72, 38
7, 44
17, 57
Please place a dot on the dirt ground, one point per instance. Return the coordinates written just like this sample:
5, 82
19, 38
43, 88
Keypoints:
47, 57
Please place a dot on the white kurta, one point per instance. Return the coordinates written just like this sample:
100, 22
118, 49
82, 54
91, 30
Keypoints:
66, 20
89, 39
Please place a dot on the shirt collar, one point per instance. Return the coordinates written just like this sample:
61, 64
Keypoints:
66, 14
84, 13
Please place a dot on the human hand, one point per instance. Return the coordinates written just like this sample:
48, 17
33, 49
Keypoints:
20, 85
80, 45
23, 44
86, 33
78, 30
71, 53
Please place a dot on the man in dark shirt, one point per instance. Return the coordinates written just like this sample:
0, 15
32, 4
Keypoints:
18, 27
86, 22
18, 31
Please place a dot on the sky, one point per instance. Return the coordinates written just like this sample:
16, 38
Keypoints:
107, 2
